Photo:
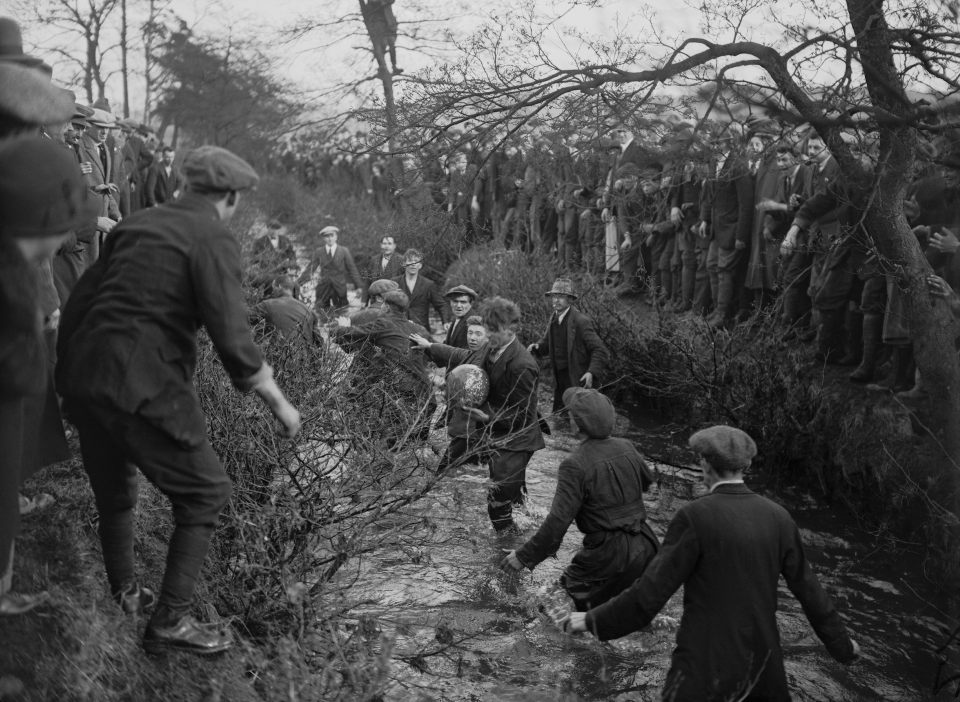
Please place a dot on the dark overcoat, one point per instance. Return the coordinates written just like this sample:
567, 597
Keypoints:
585, 351
728, 551
424, 295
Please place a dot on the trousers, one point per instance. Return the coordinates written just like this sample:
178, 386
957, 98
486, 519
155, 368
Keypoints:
113, 445
508, 471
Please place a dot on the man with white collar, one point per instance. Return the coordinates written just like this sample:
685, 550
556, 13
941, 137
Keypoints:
335, 264
728, 549
94, 151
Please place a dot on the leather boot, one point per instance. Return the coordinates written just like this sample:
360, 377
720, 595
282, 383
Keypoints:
830, 337
854, 340
918, 392
901, 375
169, 630
872, 343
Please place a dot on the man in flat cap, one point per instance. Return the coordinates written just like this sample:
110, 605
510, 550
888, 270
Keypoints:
375, 305
577, 355
461, 299
284, 313
335, 264
128, 352
728, 549
600, 485
94, 149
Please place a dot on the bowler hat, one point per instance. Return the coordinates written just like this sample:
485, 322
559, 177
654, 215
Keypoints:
462, 290
41, 190
28, 96
11, 47
563, 286
213, 169
728, 450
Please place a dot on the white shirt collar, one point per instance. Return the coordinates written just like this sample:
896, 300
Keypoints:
623, 147
726, 482
332, 248
562, 315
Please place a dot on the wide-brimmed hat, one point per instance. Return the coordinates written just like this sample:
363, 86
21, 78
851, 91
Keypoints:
41, 190
462, 290
11, 47
28, 96
563, 286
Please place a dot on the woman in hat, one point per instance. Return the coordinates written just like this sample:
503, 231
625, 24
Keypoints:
42, 198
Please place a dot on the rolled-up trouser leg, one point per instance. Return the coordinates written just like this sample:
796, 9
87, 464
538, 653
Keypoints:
508, 471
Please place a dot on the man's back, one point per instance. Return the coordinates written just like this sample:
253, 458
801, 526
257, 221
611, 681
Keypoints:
288, 316
129, 331
728, 550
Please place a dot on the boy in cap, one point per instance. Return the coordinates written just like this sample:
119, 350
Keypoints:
422, 291
577, 355
728, 549
128, 350
600, 485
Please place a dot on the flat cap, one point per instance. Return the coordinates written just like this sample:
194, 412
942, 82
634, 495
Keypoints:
329, 229
41, 190
28, 96
212, 169
128, 124
727, 449
462, 290
81, 113
382, 287
101, 118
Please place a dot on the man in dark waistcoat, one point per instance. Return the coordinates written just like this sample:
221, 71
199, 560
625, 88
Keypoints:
577, 355
600, 486
728, 549
127, 356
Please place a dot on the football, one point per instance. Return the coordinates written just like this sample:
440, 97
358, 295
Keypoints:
467, 385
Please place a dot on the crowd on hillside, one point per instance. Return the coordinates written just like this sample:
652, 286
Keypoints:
720, 219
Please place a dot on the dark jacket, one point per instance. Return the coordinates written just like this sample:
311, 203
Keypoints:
333, 272
600, 486
128, 335
457, 334
290, 317
585, 350
728, 551
730, 207
424, 295
512, 403
374, 271
385, 345
161, 187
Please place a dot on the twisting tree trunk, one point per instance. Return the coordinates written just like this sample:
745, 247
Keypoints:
929, 320
383, 73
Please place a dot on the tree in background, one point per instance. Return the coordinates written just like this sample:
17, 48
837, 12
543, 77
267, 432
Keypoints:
221, 91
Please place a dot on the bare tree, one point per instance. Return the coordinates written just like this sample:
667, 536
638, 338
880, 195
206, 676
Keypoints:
89, 24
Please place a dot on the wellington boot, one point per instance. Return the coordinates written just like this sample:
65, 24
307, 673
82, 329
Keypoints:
917, 392
854, 340
872, 343
830, 336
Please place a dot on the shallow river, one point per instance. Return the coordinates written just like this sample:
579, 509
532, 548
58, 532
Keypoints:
497, 646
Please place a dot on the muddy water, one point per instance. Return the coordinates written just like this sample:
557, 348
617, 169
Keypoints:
489, 641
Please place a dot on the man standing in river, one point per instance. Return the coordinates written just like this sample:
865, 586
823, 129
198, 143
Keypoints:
728, 549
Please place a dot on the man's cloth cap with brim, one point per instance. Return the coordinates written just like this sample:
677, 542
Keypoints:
728, 450
214, 169
128, 124
11, 48
462, 290
329, 229
563, 286
382, 287
101, 118
41, 190
591, 411
28, 96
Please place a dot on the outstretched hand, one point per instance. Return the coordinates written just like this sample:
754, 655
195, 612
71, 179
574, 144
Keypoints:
511, 564
420, 341
574, 623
